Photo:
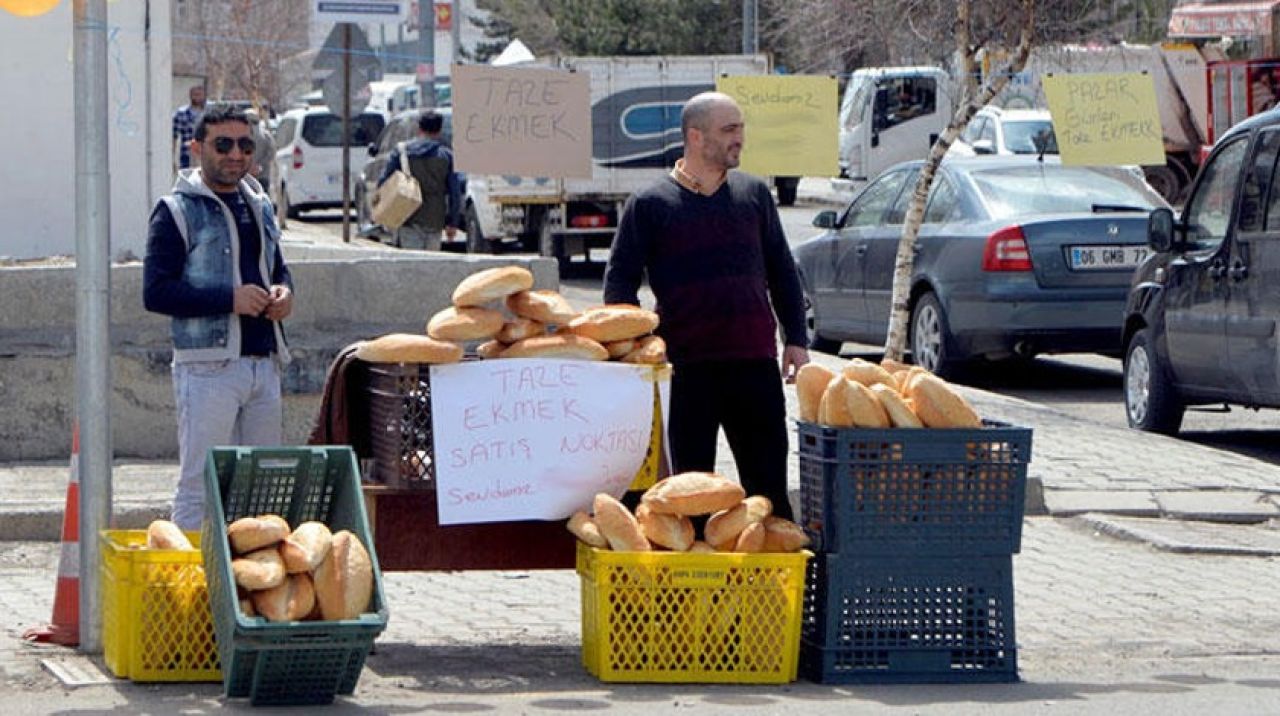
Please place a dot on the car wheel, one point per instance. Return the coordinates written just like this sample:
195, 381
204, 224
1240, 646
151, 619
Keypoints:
476, 243
786, 187
288, 210
931, 338
281, 218
1151, 402
363, 219
817, 342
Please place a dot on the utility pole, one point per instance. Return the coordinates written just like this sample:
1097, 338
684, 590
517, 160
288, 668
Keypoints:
427, 53
455, 32
749, 42
93, 305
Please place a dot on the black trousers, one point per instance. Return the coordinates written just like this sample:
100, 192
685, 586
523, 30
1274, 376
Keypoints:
745, 398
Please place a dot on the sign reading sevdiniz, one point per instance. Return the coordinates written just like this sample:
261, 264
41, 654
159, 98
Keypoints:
522, 121
790, 123
1105, 119
536, 439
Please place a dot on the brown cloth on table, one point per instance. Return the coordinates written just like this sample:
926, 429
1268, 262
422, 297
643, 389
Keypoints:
343, 418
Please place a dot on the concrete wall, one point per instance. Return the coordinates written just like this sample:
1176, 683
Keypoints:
339, 301
37, 128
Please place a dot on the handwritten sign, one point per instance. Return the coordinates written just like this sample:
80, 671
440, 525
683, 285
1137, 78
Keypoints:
790, 123
522, 121
524, 439
1102, 119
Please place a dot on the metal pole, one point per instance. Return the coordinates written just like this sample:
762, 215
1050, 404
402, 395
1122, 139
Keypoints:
455, 33
93, 303
427, 52
346, 132
749, 43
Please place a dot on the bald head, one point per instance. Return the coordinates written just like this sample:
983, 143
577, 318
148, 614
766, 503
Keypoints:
698, 111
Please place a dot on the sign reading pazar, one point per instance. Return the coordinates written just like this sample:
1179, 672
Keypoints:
522, 121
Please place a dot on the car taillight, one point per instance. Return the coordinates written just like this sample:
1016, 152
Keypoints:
1006, 250
297, 157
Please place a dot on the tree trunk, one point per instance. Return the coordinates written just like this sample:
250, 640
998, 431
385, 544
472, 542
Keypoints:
970, 102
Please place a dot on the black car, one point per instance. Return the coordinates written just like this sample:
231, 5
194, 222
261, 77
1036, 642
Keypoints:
1200, 321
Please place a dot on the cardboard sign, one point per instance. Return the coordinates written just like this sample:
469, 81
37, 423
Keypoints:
524, 438
790, 123
1104, 119
522, 121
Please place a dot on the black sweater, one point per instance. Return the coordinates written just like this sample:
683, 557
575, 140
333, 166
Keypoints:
713, 262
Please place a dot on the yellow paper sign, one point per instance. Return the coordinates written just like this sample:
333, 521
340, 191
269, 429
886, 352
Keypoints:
1103, 119
790, 123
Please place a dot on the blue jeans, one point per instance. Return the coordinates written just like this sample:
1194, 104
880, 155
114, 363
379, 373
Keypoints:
227, 402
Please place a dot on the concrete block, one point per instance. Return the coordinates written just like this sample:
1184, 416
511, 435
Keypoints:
1218, 505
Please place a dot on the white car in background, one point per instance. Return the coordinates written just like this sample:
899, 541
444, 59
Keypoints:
309, 157
1007, 131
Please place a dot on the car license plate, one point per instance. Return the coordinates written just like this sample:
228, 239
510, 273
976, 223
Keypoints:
1105, 257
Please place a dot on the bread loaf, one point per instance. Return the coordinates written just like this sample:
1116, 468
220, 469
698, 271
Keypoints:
693, 493
344, 580
519, 329
306, 547
262, 569
248, 534
867, 373
833, 408
163, 534
783, 535
899, 410
246, 607
650, 350
700, 547
491, 284
408, 348
561, 346
811, 380
675, 532
615, 322
491, 349
939, 405
751, 539
722, 528
618, 525
586, 529
465, 324
291, 601
618, 349
893, 366
542, 306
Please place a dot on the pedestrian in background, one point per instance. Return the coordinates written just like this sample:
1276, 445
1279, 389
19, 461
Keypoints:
264, 153
431, 163
214, 266
712, 245
184, 124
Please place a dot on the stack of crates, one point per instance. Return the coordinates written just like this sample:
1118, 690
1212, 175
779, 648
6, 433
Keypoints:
915, 532
286, 663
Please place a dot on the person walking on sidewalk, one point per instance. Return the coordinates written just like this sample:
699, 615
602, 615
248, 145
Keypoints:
214, 266
431, 163
712, 244
184, 124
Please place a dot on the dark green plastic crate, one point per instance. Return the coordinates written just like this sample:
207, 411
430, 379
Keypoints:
886, 620
274, 663
928, 492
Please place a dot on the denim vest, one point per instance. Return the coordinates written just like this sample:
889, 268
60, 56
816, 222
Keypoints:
213, 259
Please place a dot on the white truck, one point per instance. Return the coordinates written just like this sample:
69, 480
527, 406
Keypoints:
1200, 93
635, 108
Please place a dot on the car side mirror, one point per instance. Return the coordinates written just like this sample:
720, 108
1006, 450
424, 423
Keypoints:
373, 150
983, 146
1161, 230
826, 219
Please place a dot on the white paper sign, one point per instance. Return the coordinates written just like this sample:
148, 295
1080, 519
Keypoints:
520, 439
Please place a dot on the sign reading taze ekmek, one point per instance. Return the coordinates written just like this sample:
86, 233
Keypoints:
536, 439
1102, 119
790, 123
522, 121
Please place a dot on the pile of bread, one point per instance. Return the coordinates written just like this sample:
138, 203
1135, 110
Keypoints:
889, 395
737, 523
498, 311
283, 575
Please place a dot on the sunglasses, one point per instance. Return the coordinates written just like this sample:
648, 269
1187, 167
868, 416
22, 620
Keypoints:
223, 145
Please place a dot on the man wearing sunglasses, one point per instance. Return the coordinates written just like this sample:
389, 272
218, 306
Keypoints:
214, 266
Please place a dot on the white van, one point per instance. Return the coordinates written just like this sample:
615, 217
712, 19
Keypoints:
309, 156
891, 115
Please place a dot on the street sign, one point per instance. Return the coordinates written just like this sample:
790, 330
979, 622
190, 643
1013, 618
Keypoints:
331, 52
365, 68
384, 11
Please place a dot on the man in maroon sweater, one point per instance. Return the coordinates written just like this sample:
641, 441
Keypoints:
713, 248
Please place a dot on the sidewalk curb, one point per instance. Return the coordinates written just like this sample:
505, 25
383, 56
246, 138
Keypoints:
44, 524
1119, 528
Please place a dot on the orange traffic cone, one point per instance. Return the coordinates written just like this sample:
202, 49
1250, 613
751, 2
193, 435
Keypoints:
65, 628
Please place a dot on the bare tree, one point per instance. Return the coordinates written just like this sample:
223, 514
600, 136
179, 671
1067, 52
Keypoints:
972, 98
243, 41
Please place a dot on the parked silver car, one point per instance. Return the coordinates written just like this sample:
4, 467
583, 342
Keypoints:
1017, 256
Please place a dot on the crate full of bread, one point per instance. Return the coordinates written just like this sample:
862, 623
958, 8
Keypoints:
894, 459
294, 582
663, 602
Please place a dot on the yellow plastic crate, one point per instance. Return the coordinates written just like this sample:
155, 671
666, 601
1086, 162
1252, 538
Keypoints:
679, 617
156, 623
651, 468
